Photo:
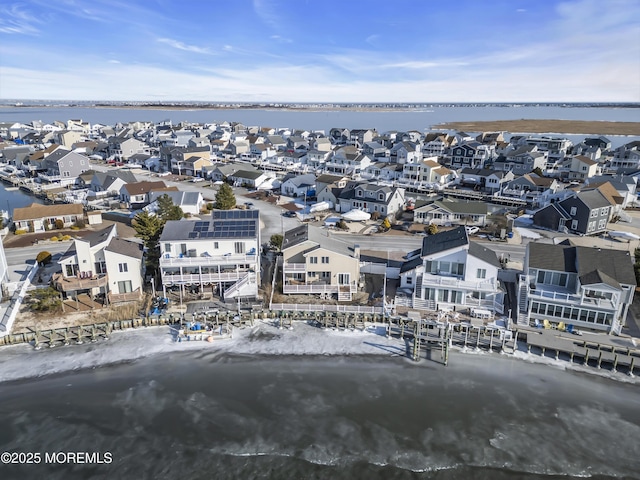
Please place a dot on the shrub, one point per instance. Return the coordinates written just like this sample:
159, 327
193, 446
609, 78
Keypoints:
64, 238
375, 216
80, 223
20, 232
43, 258
75, 227
432, 229
59, 224
54, 239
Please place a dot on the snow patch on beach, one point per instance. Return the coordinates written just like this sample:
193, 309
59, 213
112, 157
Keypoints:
22, 361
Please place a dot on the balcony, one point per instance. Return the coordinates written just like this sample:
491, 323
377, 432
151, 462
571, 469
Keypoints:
488, 285
314, 288
208, 261
71, 284
125, 297
195, 278
294, 267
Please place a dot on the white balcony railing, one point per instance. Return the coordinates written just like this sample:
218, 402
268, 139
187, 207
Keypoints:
316, 288
212, 260
489, 285
194, 278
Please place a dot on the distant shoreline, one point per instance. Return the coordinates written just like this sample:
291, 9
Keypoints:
572, 127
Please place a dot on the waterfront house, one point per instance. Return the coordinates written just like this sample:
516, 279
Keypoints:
315, 264
372, 198
40, 218
589, 288
585, 213
452, 212
221, 253
469, 154
627, 156
449, 272
530, 187
64, 166
405, 152
101, 264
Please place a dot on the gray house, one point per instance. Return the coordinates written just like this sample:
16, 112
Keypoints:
585, 213
65, 166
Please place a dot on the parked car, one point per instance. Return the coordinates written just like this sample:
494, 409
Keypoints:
472, 230
248, 204
289, 213
197, 179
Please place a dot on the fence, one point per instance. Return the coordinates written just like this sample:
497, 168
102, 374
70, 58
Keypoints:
299, 307
16, 301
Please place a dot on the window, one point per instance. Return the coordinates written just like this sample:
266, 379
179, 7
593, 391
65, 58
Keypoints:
482, 273
239, 247
123, 267
167, 247
125, 286
325, 259
216, 245
100, 267
591, 227
443, 295
573, 211
325, 275
602, 223
574, 224
604, 210
409, 280
313, 259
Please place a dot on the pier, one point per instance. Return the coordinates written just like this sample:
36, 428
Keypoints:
588, 350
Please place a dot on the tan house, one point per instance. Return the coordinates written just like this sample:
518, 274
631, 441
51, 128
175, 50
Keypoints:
40, 218
314, 263
136, 195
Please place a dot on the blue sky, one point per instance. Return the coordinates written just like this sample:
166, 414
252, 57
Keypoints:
321, 50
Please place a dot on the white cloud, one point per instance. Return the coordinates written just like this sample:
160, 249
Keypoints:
371, 39
280, 39
15, 19
183, 46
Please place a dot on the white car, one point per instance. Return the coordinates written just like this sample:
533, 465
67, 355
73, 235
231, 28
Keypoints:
197, 179
472, 230
164, 174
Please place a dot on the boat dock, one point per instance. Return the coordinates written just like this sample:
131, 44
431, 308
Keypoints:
616, 353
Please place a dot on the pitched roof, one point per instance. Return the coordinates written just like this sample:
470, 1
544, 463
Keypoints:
594, 265
443, 241
125, 247
143, 187
37, 211
483, 253
94, 238
224, 224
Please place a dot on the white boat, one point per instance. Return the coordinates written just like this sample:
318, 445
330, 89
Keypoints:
356, 215
623, 235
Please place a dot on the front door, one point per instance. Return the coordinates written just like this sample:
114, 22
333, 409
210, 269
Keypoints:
343, 278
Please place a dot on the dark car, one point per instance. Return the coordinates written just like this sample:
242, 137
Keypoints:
289, 214
248, 204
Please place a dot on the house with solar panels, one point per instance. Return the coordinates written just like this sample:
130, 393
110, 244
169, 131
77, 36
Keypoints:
221, 254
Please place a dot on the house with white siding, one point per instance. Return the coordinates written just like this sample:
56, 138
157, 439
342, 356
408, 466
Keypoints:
449, 272
220, 254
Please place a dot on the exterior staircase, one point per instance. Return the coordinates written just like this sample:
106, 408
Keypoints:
235, 289
344, 293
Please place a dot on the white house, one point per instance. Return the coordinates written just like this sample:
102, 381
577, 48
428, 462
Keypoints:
299, 185
190, 202
450, 272
101, 264
221, 254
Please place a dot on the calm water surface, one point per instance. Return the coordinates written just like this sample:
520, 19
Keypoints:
205, 415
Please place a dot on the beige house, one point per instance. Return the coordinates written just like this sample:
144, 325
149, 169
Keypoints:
314, 263
40, 218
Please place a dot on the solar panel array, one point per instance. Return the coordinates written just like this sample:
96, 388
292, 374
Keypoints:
231, 224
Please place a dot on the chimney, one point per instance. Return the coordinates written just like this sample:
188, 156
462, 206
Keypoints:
356, 251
